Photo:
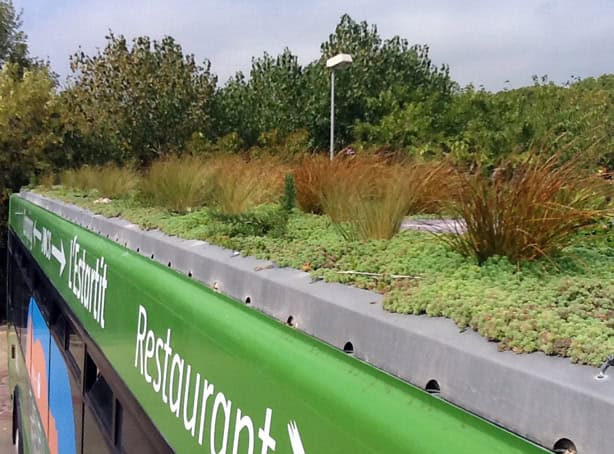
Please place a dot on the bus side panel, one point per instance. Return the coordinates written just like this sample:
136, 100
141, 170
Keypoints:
216, 376
50, 385
62, 437
38, 375
19, 384
37, 354
32, 433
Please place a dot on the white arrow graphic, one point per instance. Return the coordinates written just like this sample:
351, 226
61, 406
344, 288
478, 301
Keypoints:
295, 439
59, 255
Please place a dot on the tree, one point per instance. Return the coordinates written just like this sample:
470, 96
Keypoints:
280, 94
13, 52
486, 128
269, 100
136, 102
31, 135
13, 47
31, 127
385, 76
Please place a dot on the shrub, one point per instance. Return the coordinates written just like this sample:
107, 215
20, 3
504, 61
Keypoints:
178, 184
525, 212
288, 199
286, 148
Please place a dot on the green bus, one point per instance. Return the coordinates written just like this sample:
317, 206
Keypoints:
112, 352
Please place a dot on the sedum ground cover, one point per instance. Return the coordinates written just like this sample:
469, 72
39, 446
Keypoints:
562, 305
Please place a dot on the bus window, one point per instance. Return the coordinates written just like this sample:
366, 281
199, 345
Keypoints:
119, 415
99, 393
98, 410
74, 346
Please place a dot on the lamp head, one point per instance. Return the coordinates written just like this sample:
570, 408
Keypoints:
339, 61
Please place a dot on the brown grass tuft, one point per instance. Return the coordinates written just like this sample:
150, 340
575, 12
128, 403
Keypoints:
110, 180
528, 211
429, 186
361, 194
241, 184
82, 179
372, 193
178, 184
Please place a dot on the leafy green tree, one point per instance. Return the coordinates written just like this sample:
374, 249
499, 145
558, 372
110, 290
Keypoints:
31, 127
13, 61
485, 127
136, 102
283, 96
13, 46
384, 77
269, 100
31, 134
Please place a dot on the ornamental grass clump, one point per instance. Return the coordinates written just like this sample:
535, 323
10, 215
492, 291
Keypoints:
81, 179
110, 180
363, 196
379, 208
270, 219
321, 181
428, 186
240, 185
178, 184
528, 211
113, 181
312, 173
48, 180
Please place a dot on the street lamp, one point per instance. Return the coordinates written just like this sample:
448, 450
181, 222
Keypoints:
339, 61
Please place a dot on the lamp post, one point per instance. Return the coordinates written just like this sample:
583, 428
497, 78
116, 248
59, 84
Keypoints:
339, 61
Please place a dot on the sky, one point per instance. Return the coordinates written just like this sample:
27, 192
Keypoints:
494, 44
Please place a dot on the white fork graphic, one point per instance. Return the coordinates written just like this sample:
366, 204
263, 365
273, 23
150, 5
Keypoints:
295, 438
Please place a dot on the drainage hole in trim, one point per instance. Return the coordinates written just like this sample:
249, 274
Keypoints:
565, 446
348, 348
290, 321
248, 300
432, 387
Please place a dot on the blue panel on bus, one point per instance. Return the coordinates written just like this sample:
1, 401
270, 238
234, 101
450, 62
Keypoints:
50, 384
